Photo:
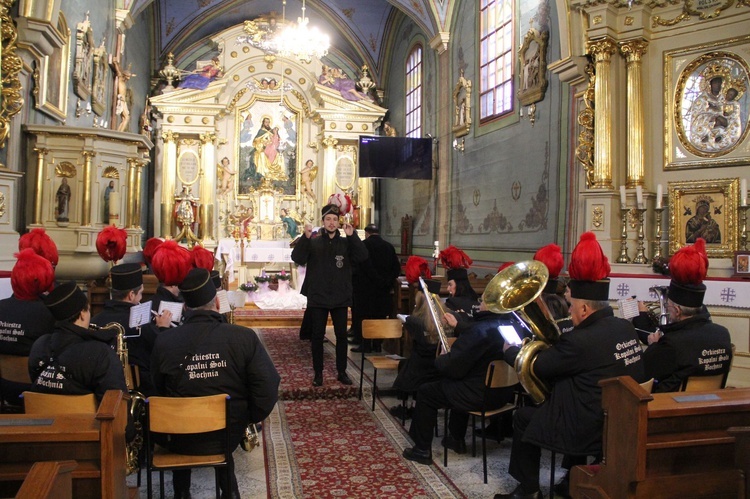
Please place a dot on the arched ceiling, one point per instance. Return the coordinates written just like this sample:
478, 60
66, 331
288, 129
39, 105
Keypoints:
357, 28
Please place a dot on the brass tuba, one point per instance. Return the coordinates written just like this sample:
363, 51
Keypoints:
517, 290
137, 400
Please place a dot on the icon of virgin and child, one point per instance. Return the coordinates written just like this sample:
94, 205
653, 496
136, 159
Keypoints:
265, 153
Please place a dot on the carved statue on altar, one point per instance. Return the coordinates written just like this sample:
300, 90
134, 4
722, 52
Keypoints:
306, 177
185, 211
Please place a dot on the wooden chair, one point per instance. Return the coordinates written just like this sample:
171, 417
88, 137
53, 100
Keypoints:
648, 385
499, 375
377, 329
185, 416
49, 403
704, 383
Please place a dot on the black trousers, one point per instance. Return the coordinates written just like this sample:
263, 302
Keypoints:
524, 457
318, 319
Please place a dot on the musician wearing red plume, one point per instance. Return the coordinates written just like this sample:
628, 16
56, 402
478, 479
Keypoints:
691, 345
39, 241
126, 291
600, 346
462, 297
170, 264
551, 257
23, 316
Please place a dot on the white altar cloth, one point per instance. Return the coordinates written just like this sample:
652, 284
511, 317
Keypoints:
256, 252
279, 300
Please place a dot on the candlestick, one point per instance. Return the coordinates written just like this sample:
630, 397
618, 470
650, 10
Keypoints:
640, 252
623, 258
623, 197
659, 196
639, 196
743, 191
657, 239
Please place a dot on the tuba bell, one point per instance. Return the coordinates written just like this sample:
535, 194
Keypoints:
517, 290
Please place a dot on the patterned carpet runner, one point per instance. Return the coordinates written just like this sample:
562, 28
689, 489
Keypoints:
324, 442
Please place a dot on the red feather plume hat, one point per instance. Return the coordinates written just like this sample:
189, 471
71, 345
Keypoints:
417, 267
31, 276
688, 268
111, 243
41, 243
505, 266
551, 257
456, 261
171, 263
202, 258
149, 249
588, 270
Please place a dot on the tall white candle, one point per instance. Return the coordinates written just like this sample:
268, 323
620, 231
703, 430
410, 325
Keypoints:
114, 208
659, 196
743, 191
623, 197
639, 196
241, 275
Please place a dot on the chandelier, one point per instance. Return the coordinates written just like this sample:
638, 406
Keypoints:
301, 41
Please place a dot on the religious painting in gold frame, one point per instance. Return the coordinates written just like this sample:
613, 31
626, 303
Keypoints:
707, 105
267, 146
707, 209
51, 76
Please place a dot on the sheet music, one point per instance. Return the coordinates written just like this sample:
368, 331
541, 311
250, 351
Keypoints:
173, 306
509, 334
224, 307
628, 308
140, 314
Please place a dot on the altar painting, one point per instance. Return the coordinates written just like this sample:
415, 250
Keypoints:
267, 147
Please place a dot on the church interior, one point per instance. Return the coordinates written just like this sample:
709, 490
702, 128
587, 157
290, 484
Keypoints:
229, 124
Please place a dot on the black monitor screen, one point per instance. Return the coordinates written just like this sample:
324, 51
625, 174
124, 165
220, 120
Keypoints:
395, 157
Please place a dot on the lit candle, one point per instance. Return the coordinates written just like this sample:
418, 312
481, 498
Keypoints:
639, 196
623, 197
743, 191
659, 196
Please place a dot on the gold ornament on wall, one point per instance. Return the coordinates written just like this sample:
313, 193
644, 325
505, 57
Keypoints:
12, 101
532, 59
462, 106
65, 169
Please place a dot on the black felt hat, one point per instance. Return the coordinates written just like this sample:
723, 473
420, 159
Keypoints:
433, 285
216, 278
126, 276
65, 300
372, 229
330, 209
197, 288
457, 274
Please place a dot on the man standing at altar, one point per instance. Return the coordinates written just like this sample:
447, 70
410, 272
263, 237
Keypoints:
328, 284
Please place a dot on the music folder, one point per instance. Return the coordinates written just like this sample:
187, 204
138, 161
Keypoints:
510, 334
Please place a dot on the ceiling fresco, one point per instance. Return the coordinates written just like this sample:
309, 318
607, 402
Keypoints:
357, 28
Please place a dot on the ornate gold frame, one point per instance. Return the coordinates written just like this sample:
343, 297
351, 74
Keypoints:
12, 100
462, 106
84, 67
99, 81
532, 74
721, 198
680, 68
52, 72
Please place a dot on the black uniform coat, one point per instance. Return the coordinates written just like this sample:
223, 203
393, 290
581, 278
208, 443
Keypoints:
207, 356
570, 420
692, 347
328, 281
22, 322
139, 344
420, 367
83, 362
464, 368
373, 279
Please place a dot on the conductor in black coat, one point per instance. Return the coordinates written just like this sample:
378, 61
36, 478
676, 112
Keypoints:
373, 283
328, 285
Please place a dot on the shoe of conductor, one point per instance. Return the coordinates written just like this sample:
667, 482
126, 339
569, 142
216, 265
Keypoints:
344, 378
519, 493
418, 455
318, 379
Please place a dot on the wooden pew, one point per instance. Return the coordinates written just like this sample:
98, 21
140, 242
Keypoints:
48, 480
98, 292
95, 441
669, 444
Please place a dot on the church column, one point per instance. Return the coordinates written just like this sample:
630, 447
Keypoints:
444, 121
168, 173
633, 51
329, 169
132, 194
208, 187
87, 170
39, 194
138, 186
602, 51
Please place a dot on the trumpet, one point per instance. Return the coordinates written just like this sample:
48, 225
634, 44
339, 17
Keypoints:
436, 312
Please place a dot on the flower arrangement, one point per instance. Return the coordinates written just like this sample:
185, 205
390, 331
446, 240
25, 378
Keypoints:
249, 287
262, 278
283, 276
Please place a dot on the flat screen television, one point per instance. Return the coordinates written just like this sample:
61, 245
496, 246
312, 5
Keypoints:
395, 157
